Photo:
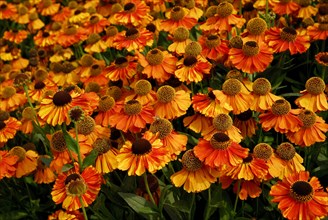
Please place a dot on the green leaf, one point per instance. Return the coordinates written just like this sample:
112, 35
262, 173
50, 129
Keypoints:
90, 159
70, 142
140, 205
320, 171
14, 215
164, 196
173, 212
67, 167
46, 161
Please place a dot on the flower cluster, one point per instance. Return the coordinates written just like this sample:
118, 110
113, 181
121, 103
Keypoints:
195, 93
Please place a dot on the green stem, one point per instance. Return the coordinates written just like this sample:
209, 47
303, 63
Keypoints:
31, 105
83, 209
208, 204
78, 145
118, 177
191, 214
122, 136
324, 73
148, 189
237, 197
69, 152
267, 12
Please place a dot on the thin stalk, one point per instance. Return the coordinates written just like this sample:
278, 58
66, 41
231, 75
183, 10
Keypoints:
324, 73
69, 152
30, 104
78, 145
83, 208
148, 189
237, 197
209, 198
122, 136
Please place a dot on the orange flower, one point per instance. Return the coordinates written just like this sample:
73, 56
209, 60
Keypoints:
250, 169
132, 116
37, 89
287, 38
7, 164
265, 152
90, 129
61, 54
252, 57
10, 99
220, 152
22, 15
133, 39
7, 10
73, 185
15, 36
96, 73
106, 160
135, 13
180, 40
178, 17
312, 131
158, 64
322, 58
60, 152
209, 105
306, 10
94, 44
194, 176
70, 35
35, 22
197, 122
248, 188
246, 123
255, 30
192, 69
224, 19
313, 98
263, 98
142, 92
172, 140
171, 104
49, 7
96, 24
290, 160
141, 155
124, 68
299, 197
319, 31
222, 123
62, 15
213, 47
281, 117
105, 110
54, 108
27, 161
234, 94
43, 173
66, 215
45, 39
284, 7
8, 129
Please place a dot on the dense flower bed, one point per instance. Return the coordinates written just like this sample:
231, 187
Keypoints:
189, 109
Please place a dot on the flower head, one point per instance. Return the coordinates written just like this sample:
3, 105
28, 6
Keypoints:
72, 185
300, 197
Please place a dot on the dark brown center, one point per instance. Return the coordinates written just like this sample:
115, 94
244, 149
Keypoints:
61, 98
141, 146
